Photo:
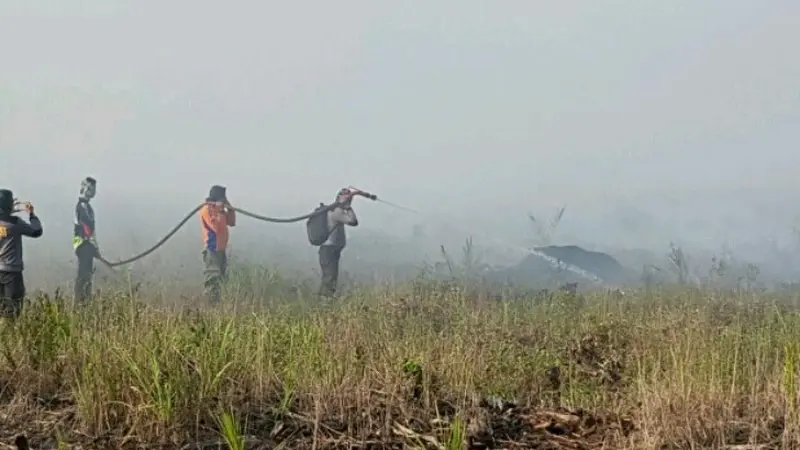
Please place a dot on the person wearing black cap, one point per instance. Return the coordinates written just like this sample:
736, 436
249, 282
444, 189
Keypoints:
12, 229
84, 241
215, 217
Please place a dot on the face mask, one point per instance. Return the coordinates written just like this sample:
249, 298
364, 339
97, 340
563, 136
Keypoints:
88, 190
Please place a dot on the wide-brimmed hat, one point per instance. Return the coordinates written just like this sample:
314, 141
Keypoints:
217, 193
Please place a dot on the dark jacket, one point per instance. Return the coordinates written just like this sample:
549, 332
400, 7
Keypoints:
84, 224
12, 228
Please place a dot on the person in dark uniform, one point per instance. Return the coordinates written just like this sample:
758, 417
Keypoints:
84, 240
12, 229
330, 252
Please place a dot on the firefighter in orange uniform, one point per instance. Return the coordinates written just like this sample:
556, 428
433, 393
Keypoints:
216, 216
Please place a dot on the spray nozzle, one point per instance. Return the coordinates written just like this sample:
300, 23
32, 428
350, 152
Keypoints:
356, 191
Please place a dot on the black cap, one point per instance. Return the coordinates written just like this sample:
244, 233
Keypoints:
217, 194
6, 200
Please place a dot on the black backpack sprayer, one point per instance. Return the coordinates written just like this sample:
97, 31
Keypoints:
317, 225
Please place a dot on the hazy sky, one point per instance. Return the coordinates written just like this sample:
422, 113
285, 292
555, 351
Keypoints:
506, 100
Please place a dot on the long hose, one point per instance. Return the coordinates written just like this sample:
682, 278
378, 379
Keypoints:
194, 211
325, 208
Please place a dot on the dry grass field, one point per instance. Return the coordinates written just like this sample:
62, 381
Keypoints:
425, 365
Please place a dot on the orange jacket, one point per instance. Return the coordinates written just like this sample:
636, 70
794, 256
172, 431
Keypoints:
215, 221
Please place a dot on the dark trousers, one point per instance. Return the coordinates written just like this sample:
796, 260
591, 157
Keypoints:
329, 257
83, 280
12, 293
215, 273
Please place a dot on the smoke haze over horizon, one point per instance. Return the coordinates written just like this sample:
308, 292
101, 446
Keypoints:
673, 119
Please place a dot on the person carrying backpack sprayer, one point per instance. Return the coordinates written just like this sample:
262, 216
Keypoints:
216, 216
12, 229
327, 231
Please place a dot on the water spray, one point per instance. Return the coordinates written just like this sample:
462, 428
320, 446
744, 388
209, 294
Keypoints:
553, 262
374, 197
404, 208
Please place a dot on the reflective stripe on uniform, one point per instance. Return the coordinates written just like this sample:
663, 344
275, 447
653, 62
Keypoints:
77, 241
